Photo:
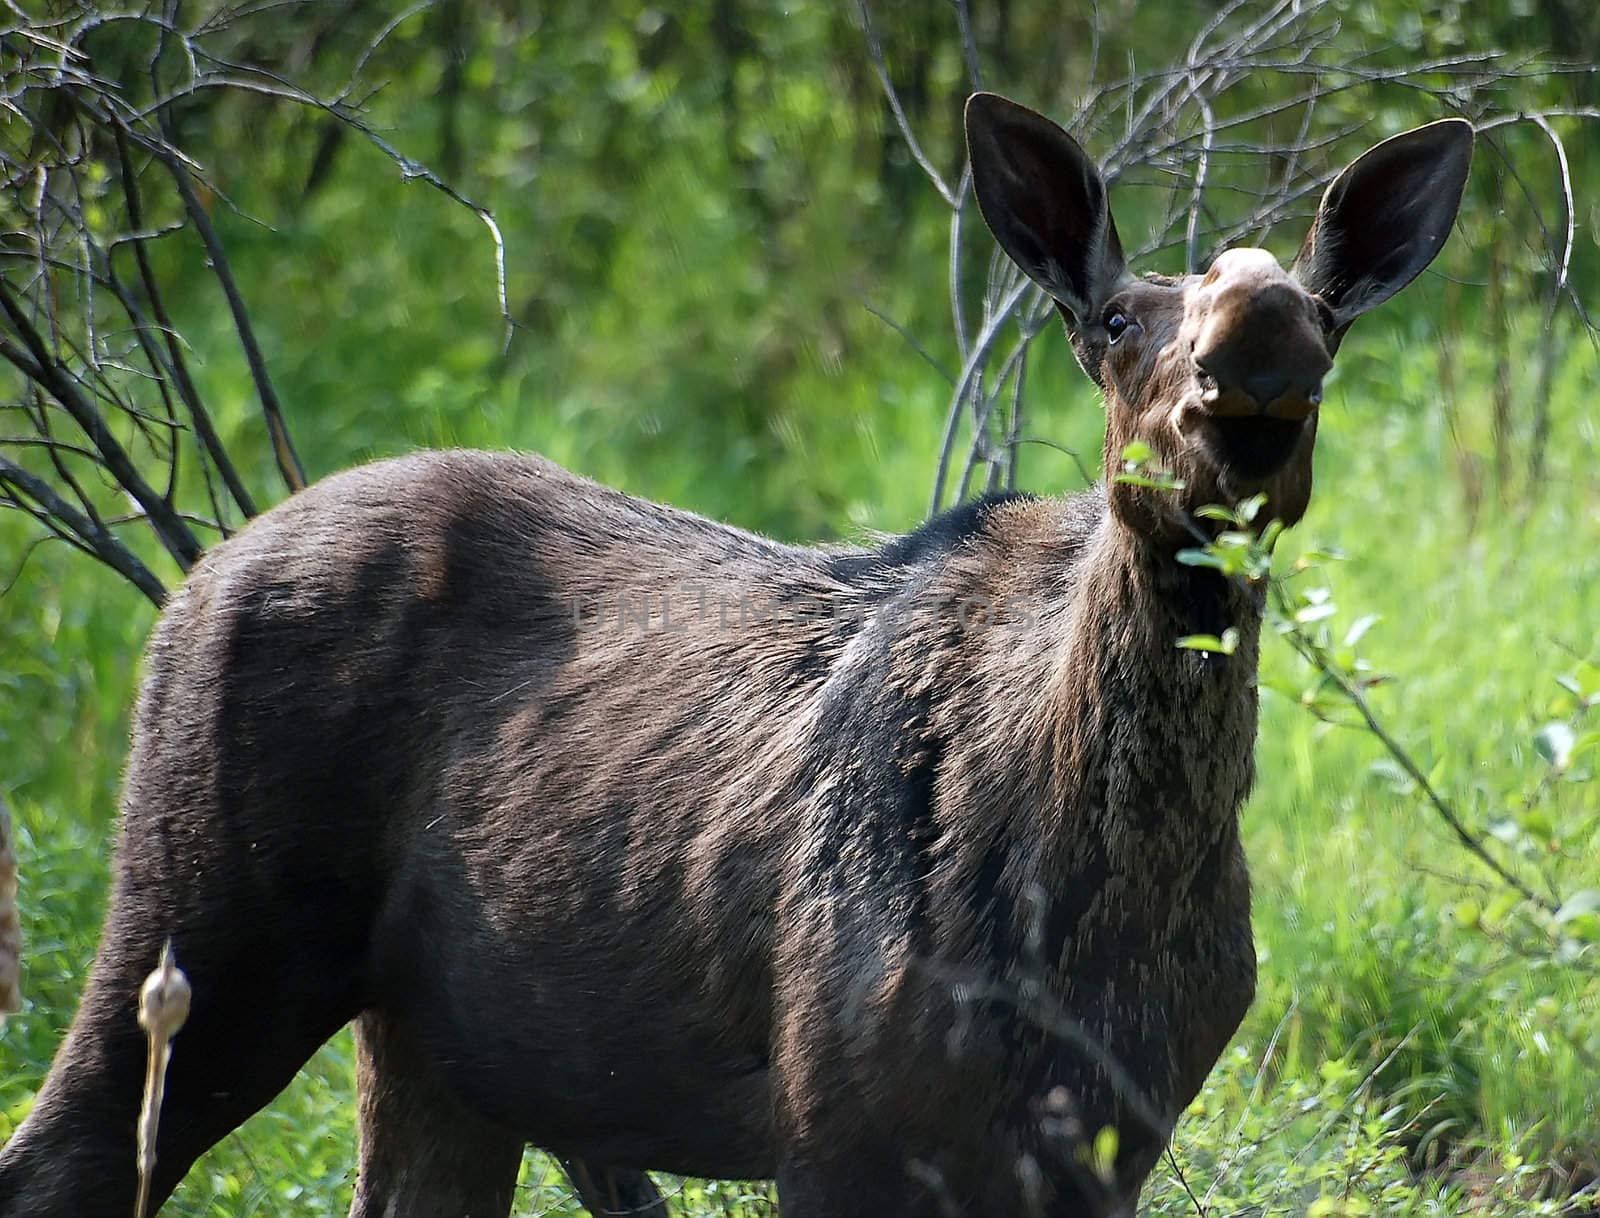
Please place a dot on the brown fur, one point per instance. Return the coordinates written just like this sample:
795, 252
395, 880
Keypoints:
895, 874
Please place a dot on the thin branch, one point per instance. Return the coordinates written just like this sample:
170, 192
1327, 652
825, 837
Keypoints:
969, 372
100, 541
294, 474
210, 442
969, 44
46, 372
875, 52
28, 551
1314, 655
1014, 426
1192, 231
958, 309
931, 360
1543, 124
1084, 471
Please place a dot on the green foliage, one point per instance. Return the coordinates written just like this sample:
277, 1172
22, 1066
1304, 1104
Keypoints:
1327, 1143
694, 222
1506, 920
1140, 468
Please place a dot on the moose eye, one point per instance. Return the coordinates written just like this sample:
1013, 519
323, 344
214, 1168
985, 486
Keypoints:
1116, 324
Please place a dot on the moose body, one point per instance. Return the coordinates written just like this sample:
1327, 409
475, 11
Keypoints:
893, 873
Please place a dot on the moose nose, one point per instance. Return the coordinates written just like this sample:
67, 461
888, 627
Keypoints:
1266, 387
1235, 391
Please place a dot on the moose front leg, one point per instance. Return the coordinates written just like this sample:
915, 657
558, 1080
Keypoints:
608, 1192
254, 1020
424, 1153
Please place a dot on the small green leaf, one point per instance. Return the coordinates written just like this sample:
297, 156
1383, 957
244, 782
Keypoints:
1554, 742
1138, 469
1577, 905
1497, 910
1226, 645
1537, 822
1215, 511
1467, 914
1157, 481
1359, 628
1250, 508
1587, 679
1315, 613
1105, 1153
1137, 452
1336, 1071
1585, 927
1201, 558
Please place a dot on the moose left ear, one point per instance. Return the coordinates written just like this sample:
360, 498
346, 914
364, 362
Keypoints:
1045, 203
1385, 218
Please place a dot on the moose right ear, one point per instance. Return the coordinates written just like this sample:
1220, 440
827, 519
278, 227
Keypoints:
1384, 218
1045, 202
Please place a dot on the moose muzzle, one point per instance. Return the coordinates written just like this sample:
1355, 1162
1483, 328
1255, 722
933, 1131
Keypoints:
1259, 349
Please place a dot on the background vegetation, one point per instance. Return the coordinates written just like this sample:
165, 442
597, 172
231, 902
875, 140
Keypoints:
703, 211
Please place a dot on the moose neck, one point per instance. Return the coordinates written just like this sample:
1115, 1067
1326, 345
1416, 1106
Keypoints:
1150, 746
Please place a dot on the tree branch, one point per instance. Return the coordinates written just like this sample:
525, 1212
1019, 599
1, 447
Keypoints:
99, 540
283, 451
46, 372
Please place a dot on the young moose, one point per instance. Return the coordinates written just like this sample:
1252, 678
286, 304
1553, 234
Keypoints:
897, 909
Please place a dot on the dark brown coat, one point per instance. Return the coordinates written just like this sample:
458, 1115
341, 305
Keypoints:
894, 873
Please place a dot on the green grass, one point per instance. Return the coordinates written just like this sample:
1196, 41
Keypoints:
1360, 958
1479, 1100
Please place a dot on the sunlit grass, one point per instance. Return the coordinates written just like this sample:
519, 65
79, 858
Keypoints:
1361, 963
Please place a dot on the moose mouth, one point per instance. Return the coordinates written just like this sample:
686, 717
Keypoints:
1253, 447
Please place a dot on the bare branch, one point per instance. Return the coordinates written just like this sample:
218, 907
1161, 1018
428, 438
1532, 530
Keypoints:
210, 442
91, 337
97, 539
1568, 206
294, 474
60, 384
1193, 126
1319, 659
969, 44
875, 50
931, 360
1192, 232
969, 372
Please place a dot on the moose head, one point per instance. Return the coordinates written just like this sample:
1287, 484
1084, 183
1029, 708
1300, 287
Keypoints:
1220, 373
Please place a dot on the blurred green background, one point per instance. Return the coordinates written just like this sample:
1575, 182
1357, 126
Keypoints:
699, 205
